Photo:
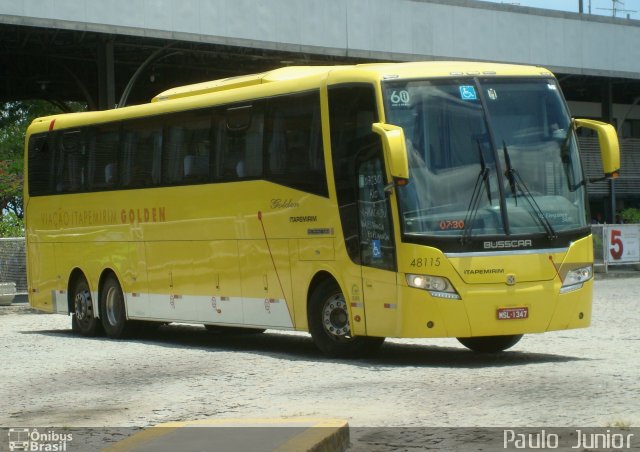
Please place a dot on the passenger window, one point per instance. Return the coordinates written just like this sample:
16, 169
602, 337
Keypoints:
187, 148
104, 141
141, 154
239, 150
41, 163
72, 162
294, 143
374, 213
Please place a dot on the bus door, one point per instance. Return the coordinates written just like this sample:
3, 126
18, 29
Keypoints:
377, 249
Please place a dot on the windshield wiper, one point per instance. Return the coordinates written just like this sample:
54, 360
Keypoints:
517, 183
474, 203
485, 173
510, 173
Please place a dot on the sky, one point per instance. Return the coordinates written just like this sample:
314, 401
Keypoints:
598, 7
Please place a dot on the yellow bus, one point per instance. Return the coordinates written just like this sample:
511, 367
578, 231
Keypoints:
406, 200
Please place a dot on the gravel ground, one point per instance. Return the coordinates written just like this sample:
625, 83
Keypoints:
583, 378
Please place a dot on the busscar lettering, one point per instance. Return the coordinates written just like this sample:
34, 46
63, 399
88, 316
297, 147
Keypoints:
505, 244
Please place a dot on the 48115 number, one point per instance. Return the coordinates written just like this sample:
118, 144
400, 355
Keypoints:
420, 262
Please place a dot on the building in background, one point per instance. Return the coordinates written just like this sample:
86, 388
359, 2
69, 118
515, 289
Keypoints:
118, 52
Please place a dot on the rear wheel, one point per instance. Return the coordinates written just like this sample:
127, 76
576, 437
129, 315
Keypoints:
112, 309
490, 344
329, 324
83, 320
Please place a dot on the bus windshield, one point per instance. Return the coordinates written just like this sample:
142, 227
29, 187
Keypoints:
487, 157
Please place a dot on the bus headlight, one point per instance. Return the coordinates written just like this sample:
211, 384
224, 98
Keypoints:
437, 286
576, 278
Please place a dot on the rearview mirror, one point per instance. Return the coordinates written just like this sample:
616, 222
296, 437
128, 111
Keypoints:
609, 146
395, 149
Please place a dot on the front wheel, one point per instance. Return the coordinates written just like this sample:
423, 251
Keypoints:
113, 310
329, 325
490, 344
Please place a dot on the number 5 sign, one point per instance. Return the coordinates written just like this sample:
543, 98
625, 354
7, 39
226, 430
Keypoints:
623, 244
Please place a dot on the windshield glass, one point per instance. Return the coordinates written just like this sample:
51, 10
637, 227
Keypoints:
487, 157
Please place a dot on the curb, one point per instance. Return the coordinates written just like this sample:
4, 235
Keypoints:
237, 435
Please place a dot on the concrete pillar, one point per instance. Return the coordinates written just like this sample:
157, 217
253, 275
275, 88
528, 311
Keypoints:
607, 101
106, 76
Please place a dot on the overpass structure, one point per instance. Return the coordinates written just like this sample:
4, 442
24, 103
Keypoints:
116, 52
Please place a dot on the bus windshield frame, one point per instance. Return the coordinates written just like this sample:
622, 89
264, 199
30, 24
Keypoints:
488, 157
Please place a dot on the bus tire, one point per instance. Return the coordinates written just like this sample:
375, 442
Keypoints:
83, 319
490, 344
113, 310
328, 318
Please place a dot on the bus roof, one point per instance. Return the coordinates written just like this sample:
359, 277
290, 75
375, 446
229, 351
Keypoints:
276, 75
301, 78
375, 70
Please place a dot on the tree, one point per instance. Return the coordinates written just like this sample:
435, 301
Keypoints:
630, 215
11, 225
15, 117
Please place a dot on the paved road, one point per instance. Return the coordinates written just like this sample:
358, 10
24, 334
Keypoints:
570, 378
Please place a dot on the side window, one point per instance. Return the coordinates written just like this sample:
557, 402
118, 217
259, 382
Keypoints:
294, 151
141, 153
103, 142
374, 213
71, 162
239, 147
187, 147
352, 111
41, 161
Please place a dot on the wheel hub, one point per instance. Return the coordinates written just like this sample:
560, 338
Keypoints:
83, 305
335, 317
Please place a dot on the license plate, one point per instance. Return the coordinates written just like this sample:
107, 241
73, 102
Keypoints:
513, 313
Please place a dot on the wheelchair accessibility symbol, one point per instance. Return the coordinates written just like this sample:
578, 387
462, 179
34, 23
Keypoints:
376, 251
468, 92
